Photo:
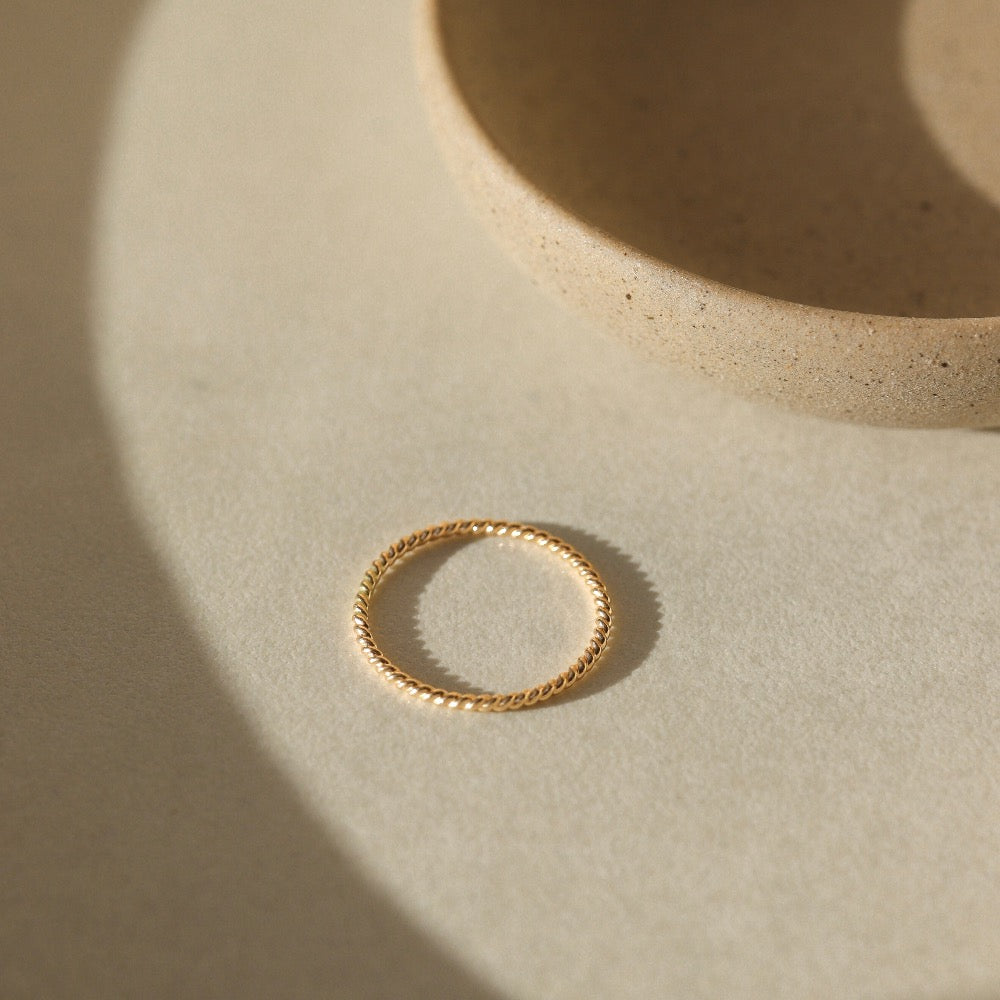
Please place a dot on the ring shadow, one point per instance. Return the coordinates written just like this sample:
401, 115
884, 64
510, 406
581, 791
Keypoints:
773, 146
638, 616
150, 845
396, 615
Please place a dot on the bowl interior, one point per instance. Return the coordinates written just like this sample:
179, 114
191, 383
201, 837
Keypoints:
833, 154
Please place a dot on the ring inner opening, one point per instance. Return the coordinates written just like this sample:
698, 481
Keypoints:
482, 615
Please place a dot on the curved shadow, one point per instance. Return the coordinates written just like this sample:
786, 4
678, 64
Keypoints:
150, 847
638, 615
770, 146
396, 614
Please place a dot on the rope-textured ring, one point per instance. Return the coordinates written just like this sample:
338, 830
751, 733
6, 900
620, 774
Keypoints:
579, 565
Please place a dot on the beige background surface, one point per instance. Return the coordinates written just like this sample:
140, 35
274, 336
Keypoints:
250, 336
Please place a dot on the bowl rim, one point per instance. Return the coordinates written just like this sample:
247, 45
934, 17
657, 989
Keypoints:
436, 73
869, 368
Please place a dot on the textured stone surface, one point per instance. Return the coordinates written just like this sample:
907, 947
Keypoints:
780, 197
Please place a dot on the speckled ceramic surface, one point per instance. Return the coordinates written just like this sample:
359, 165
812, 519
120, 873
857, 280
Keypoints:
796, 200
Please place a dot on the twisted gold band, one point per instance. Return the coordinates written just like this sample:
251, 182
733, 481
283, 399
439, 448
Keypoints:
482, 702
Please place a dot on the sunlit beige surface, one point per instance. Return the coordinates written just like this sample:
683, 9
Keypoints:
254, 336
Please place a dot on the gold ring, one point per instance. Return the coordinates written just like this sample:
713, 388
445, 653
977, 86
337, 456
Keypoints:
582, 666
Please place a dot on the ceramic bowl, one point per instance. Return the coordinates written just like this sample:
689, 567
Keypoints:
797, 200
